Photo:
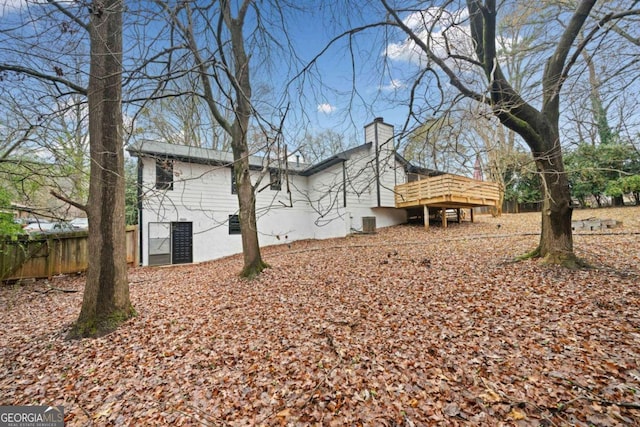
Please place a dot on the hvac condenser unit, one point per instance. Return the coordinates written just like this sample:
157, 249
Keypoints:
368, 224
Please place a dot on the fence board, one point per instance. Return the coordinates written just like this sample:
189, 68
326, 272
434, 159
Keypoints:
50, 255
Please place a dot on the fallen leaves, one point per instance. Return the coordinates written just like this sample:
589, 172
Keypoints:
516, 415
405, 327
490, 396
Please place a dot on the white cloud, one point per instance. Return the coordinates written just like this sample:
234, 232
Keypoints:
8, 6
445, 32
326, 108
406, 51
394, 84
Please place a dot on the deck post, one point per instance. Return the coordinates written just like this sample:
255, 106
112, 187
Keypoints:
444, 217
426, 216
458, 215
471, 215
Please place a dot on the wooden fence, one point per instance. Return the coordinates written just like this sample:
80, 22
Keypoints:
54, 254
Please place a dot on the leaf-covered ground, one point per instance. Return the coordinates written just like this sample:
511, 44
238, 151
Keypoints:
405, 327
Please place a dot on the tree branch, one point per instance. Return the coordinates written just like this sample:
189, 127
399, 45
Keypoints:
187, 33
453, 78
512, 111
42, 76
331, 42
69, 201
583, 43
553, 73
17, 143
69, 15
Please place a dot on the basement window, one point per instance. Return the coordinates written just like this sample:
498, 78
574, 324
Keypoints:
276, 181
164, 174
234, 224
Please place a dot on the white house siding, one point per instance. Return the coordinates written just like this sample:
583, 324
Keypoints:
361, 178
389, 171
202, 195
326, 192
362, 188
327, 214
282, 217
314, 208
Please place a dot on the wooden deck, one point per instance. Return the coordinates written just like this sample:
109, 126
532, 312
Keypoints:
447, 192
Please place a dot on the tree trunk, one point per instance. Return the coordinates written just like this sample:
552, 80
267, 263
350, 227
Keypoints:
539, 128
556, 236
236, 72
556, 239
106, 301
253, 263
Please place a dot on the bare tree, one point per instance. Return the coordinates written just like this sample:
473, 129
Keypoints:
439, 143
224, 42
183, 119
319, 146
106, 300
45, 144
538, 126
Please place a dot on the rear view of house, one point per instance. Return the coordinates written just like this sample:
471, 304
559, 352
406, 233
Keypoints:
189, 209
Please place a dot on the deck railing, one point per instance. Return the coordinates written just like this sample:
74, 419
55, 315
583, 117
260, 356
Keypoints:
447, 191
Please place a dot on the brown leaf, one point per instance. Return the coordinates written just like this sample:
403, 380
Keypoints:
451, 409
516, 415
490, 396
470, 335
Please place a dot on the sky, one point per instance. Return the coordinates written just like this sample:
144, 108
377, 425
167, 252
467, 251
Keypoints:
345, 93
340, 92
370, 74
336, 93
353, 81
8, 6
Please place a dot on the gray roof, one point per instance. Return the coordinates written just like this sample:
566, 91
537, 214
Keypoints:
208, 156
333, 160
410, 168
345, 155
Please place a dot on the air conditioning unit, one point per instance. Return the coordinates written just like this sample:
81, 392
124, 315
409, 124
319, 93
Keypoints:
369, 224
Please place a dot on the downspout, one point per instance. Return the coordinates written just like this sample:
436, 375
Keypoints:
395, 169
139, 203
344, 183
377, 120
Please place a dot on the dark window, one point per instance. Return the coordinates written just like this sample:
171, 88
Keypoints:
234, 183
164, 174
234, 224
276, 182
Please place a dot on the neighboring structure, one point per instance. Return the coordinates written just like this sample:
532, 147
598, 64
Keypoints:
189, 209
40, 203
